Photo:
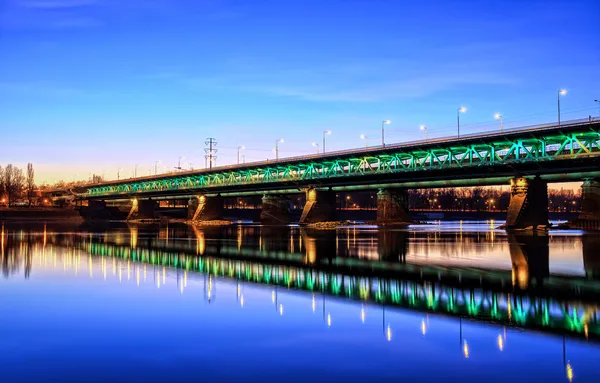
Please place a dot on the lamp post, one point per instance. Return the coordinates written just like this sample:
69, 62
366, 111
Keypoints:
156, 166
135, 170
364, 137
383, 124
119, 173
424, 129
460, 110
179, 163
498, 116
191, 165
325, 133
560, 92
316, 146
241, 147
598, 101
277, 148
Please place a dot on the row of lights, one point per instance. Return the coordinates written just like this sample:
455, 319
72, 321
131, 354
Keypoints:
322, 149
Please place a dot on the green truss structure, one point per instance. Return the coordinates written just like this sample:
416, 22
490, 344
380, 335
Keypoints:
530, 146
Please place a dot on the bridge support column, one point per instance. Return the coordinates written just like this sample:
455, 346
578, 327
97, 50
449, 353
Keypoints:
392, 207
142, 209
589, 218
275, 209
205, 208
319, 207
528, 208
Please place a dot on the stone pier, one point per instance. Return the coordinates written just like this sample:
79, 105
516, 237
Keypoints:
142, 209
319, 207
392, 207
275, 209
589, 218
205, 208
528, 208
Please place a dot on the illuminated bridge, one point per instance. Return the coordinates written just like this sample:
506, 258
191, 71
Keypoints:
527, 158
562, 305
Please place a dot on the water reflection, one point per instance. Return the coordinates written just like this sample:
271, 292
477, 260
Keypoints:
313, 261
294, 275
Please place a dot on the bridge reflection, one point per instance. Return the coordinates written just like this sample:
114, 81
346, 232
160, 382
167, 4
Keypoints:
314, 261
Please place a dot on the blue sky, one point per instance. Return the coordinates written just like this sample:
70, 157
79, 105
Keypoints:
88, 86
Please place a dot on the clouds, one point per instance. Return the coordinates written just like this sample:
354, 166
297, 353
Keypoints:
365, 81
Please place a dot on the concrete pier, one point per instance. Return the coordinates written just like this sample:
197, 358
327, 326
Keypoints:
320, 207
275, 209
528, 208
205, 208
392, 207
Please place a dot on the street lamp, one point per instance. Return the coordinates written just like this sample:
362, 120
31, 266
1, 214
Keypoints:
383, 124
277, 148
460, 110
135, 170
156, 166
241, 147
316, 146
364, 137
179, 162
498, 116
119, 173
561, 92
325, 133
424, 128
598, 101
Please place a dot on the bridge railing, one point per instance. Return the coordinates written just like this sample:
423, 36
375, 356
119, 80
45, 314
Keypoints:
442, 140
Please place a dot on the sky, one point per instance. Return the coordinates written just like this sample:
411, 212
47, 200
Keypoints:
92, 86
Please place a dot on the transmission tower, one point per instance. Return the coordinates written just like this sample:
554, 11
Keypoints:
211, 150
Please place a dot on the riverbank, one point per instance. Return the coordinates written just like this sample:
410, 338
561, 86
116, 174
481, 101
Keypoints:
39, 214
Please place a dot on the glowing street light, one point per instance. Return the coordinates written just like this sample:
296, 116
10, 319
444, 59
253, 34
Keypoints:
241, 147
424, 128
277, 148
383, 124
561, 92
325, 133
460, 110
364, 137
316, 146
498, 116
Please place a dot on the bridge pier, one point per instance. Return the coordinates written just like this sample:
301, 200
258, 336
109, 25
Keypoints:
528, 208
319, 207
142, 209
205, 208
392, 207
589, 218
275, 209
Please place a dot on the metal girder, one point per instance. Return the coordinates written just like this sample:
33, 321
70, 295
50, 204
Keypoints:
514, 149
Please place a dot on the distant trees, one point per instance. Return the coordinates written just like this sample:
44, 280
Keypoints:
12, 182
30, 183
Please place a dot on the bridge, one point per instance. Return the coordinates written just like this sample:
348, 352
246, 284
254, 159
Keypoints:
527, 158
563, 304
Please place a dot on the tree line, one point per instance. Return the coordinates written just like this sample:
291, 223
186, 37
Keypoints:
16, 184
